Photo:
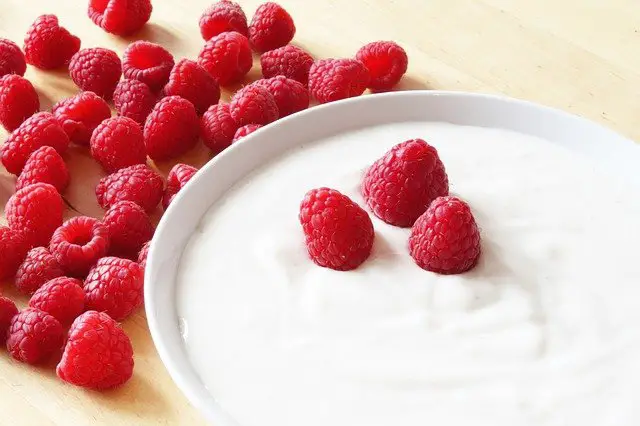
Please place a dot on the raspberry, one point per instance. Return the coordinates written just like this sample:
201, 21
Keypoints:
41, 129
115, 286
221, 17
271, 27
34, 336
399, 187
45, 165
218, 127
80, 115
47, 45
227, 57
245, 130
445, 239
98, 353
96, 70
13, 249
192, 82
289, 61
178, 177
62, 298
147, 62
137, 183
334, 79
144, 252
118, 143
171, 129
18, 101
8, 310
133, 99
36, 211
386, 62
338, 232
129, 228
253, 105
37, 268
11, 58
120, 17
290, 95
78, 244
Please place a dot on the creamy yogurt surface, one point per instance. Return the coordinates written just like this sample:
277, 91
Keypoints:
545, 331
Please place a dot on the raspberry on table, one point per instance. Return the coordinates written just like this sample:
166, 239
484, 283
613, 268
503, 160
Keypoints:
446, 239
245, 131
400, 185
34, 336
129, 229
290, 95
78, 244
37, 268
227, 57
386, 61
217, 127
271, 27
178, 177
134, 99
192, 82
62, 298
223, 16
13, 249
338, 232
11, 58
147, 62
18, 101
138, 183
8, 310
45, 165
118, 143
98, 354
41, 129
79, 115
253, 104
35, 211
334, 79
289, 61
120, 17
171, 129
97, 70
144, 252
115, 286
47, 45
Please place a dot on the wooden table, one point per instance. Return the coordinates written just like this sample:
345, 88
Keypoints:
581, 56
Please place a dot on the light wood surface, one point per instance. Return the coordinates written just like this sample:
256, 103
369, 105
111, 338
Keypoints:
577, 55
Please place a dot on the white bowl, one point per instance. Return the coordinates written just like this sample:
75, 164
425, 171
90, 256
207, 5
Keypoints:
605, 148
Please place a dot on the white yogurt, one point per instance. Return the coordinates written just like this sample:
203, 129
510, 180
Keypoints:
545, 331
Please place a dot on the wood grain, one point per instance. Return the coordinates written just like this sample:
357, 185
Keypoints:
580, 56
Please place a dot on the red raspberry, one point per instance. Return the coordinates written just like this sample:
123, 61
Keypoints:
98, 353
41, 129
171, 129
400, 186
271, 27
13, 249
445, 239
36, 211
47, 45
121, 17
289, 61
118, 143
338, 232
45, 165
147, 62
192, 82
334, 79
80, 115
386, 62
144, 252
227, 57
217, 127
62, 298
78, 244
34, 336
37, 268
129, 228
245, 130
96, 70
8, 310
133, 99
11, 58
290, 95
115, 286
221, 17
137, 183
253, 105
178, 177
18, 101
